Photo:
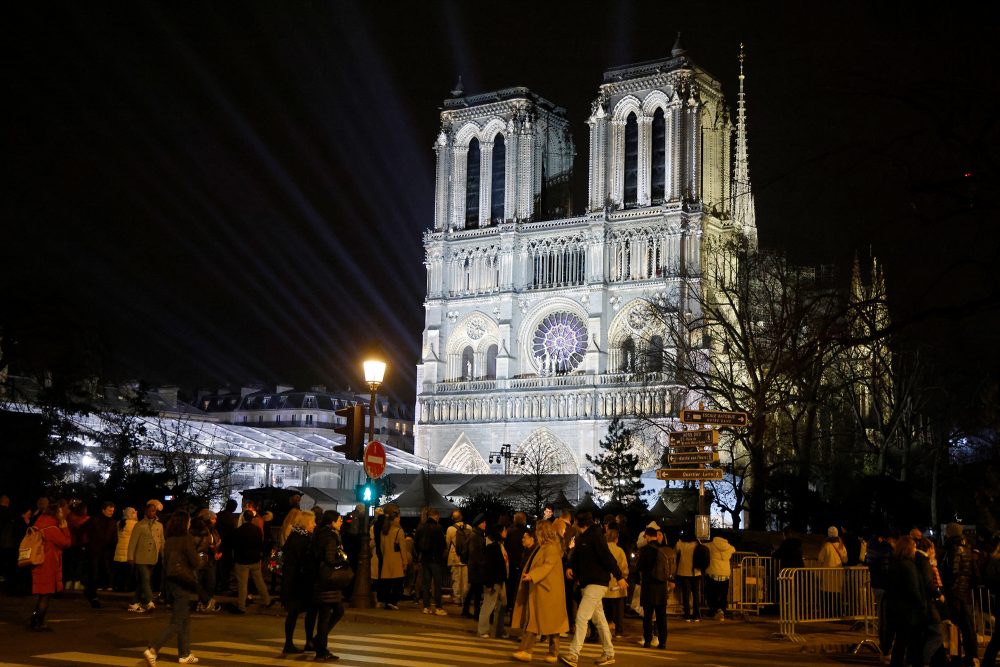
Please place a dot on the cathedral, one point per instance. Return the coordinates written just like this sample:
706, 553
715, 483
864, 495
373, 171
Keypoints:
536, 329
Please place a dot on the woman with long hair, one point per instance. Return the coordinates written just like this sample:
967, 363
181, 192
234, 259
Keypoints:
298, 579
389, 564
540, 607
180, 563
47, 578
329, 556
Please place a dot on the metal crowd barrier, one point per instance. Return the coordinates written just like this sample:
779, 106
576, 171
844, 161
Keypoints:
752, 586
983, 614
826, 594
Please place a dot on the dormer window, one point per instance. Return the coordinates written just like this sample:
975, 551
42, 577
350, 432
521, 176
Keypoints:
309, 402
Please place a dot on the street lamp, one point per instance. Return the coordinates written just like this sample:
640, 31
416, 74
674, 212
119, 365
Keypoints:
361, 598
505, 456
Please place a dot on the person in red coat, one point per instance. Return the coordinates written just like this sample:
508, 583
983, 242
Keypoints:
46, 578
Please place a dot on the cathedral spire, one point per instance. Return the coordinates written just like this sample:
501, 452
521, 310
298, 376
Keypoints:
744, 213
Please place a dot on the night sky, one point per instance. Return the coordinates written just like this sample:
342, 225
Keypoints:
211, 194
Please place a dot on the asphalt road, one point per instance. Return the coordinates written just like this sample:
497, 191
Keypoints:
112, 636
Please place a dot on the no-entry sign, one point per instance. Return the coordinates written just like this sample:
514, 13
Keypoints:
374, 460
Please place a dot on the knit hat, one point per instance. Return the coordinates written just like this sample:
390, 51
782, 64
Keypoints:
155, 503
832, 532
953, 530
479, 519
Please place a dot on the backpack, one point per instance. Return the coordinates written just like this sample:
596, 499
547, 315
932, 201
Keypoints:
463, 538
31, 552
666, 565
702, 557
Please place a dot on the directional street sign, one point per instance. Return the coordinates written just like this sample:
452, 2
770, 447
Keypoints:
694, 457
715, 417
712, 474
701, 436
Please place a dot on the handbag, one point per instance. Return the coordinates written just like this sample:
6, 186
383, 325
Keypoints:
338, 574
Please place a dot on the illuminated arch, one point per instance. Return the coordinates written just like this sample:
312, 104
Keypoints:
464, 457
543, 452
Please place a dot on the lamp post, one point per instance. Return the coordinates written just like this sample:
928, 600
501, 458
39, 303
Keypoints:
505, 456
361, 598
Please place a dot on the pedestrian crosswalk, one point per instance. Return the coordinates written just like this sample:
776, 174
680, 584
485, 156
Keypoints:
420, 649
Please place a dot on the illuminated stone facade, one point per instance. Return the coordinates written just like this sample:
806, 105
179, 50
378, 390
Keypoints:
534, 330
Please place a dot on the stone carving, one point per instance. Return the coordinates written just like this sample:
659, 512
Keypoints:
475, 328
452, 316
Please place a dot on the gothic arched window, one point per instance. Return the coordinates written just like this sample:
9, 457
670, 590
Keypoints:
655, 362
472, 185
491, 362
498, 179
631, 172
658, 168
468, 364
627, 356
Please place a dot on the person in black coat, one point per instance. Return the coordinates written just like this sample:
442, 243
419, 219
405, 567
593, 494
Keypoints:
655, 585
477, 564
101, 536
906, 598
515, 554
432, 550
327, 552
495, 571
298, 574
248, 550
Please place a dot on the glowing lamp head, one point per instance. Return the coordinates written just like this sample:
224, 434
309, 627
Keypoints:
374, 371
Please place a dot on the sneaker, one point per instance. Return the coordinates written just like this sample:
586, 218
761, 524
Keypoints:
150, 606
485, 635
521, 656
150, 655
136, 607
551, 659
189, 659
566, 660
392, 607
605, 660
427, 610
440, 612
655, 642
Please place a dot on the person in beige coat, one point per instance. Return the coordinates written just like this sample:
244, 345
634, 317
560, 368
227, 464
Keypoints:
540, 607
389, 558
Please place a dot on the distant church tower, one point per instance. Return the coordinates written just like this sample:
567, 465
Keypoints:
534, 333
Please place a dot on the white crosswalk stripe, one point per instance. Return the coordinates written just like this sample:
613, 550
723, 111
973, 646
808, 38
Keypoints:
421, 649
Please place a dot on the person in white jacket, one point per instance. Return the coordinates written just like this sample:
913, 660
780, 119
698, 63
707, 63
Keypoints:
717, 576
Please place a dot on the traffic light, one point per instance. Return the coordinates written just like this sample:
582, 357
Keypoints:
368, 493
353, 431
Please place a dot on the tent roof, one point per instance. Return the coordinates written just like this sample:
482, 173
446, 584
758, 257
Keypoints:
420, 494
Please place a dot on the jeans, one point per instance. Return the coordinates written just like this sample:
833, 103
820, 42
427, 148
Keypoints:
690, 596
494, 602
242, 572
180, 621
716, 594
206, 582
591, 608
327, 616
144, 591
433, 574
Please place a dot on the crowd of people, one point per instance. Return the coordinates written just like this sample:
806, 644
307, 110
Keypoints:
558, 577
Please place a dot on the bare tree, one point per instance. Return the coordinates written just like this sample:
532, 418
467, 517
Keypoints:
540, 465
198, 471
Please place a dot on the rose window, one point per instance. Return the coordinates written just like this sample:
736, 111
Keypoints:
559, 343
